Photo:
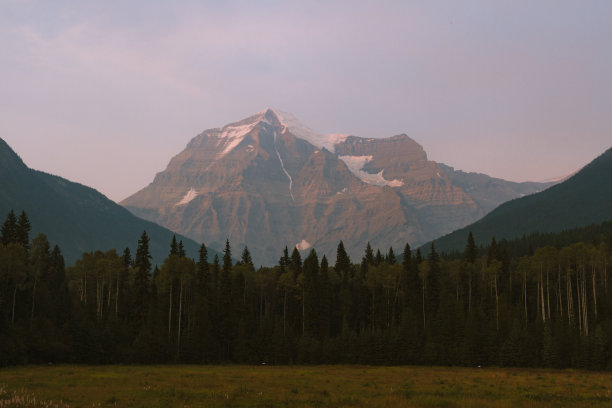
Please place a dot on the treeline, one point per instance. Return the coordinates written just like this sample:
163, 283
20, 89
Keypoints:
549, 308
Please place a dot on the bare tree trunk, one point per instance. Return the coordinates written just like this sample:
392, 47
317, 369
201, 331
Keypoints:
579, 299
585, 315
470, 289
594, 292
570, 300
117, 300
170, 313
542, 296
13, 312
85, 287
33, 298
178, 336
284, 313
423, 292
496, 304
525, 294
548, 292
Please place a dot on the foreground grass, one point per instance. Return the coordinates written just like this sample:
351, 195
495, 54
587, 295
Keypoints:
304, 386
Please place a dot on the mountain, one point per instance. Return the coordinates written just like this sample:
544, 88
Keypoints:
75, 217
583, 199
268, 181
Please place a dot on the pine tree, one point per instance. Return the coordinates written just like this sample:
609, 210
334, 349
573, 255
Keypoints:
246, 256
391, 260
411, 281
142, 262
22, 232
309, 295
174, 246
127, 258
324, 295
224, 309
493, 254
469, 257
471, 251
9, 229
343, 262
141, 282
203, 270
296, 262
378, 258
369, 254
181, 250
433, 282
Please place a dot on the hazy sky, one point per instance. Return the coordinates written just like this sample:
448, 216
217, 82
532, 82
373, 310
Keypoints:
105, 93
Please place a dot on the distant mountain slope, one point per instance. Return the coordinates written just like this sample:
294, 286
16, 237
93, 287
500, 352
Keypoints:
75, 217
269, 181
583, 199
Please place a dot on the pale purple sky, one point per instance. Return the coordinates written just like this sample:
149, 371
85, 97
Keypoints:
106, 92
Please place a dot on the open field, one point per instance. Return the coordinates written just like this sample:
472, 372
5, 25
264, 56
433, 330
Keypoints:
303, 386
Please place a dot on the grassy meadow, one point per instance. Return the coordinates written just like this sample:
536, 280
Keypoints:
300, 386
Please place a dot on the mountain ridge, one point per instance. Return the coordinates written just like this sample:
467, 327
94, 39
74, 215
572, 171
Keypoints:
75, 217
581, 200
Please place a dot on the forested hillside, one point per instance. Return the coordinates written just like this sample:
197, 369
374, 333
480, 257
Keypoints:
581, 200
78, 218
551, 308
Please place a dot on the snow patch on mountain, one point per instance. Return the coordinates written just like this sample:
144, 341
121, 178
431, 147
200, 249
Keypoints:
188, 197
356, 165
303, 245
231, 136
304, 132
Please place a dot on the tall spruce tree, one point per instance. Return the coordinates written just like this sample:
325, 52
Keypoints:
391, 260
433, 282
369, 254
246, 256
22, 232
343, 262
141, 281
9, 229
174, 246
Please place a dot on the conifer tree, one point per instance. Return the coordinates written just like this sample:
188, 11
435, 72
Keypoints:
22, 232
324, 295
203, 270
369, 254
246, 256
9, 229
127, 258
343, 262
411, 281
418, 258
141, 282
181, 250
433, 282
471, 251
174, 246
224, 310
296, 262
378, 258
309, 295
391, 260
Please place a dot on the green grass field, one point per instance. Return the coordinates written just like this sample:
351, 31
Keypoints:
303, 386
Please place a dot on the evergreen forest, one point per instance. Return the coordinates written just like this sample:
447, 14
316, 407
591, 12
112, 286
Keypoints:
542, 306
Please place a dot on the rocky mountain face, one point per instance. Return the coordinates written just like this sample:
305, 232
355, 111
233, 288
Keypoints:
269, 181
75, 217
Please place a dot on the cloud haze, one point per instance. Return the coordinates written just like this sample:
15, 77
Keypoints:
104, 93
